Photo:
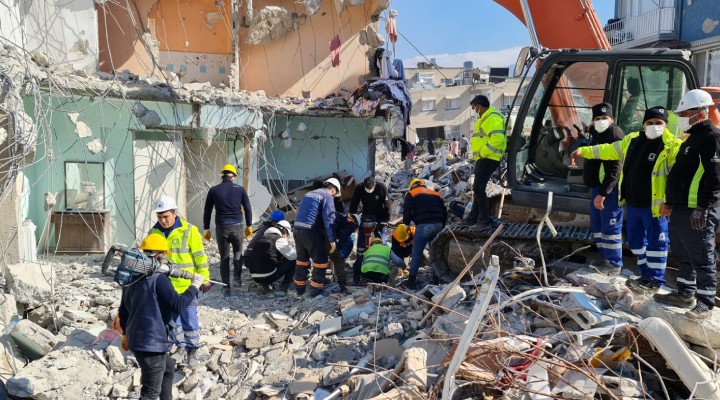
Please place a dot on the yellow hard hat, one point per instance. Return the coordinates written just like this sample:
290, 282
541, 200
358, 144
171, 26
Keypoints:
401, 233
416, 181
154, 242
229, 168
376, 241
449, 156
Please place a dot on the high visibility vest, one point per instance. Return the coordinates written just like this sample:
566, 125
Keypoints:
187, 252
488, 139
376, 259
664, 161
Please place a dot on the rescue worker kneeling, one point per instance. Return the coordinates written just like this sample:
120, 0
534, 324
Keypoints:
376, 263
272, 257
147, 308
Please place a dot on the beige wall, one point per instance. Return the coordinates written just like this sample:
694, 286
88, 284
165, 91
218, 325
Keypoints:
119, 41
301, 60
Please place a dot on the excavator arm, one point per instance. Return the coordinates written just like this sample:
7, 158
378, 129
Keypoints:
560, 24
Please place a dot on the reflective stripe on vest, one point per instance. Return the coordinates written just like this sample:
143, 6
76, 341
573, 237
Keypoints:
695, 186
376, 259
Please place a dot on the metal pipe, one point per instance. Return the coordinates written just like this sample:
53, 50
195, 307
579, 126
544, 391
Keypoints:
529, 23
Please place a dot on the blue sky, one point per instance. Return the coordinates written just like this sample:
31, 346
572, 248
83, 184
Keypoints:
453, 31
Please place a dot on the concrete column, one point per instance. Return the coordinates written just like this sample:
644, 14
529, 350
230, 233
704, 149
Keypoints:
11, 240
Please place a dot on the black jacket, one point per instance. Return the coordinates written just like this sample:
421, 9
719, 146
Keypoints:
424, 206
227, 198
701, 147
591, 172
372, 203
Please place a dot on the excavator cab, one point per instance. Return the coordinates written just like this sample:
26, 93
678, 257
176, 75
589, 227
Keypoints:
554, 117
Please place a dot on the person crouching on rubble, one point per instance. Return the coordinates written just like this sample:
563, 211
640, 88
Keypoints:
272, 257
426, 208
376, 263
147, 309
402, 241
647, 158
344, 227
606, 215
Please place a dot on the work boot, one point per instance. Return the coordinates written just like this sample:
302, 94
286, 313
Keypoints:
675, 298
264, 289
466, 222
300, 290
284, 287
607, 268
700, 311
237, 283
643, 285
315, 292
192, 360
226, 291
411, 283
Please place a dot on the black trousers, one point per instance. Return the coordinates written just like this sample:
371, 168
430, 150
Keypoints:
310, 244
285, 270
157, 372
340, 265
484, 168
230, 235
694, 251
375, 277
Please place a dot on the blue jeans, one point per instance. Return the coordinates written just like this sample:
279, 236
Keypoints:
187, 329
424, 234
648, 239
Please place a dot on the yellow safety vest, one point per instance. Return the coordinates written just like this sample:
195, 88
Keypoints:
665, 160
187, 252
488, 139
376, 259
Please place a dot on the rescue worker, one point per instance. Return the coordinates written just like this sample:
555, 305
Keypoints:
231, 202
488, 146
646, 161
314, 236
187, 252
319, 183
606, 214
402, 240
147, 308
376, 264
344, 227
373, 196
693, 198
272, 257
464, 145
273, 219
425, 208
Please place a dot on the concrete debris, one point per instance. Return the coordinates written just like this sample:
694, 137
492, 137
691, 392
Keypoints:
81, 128
269, 24
312, 7
95, 146
30, 283
149, 118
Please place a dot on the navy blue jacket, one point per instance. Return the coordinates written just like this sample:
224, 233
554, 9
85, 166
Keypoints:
343, 229
424, 206
227, 198
316, 212
146, 309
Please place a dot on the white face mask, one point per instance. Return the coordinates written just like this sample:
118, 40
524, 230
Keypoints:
370, 190
654, 131
601, 125
684, 123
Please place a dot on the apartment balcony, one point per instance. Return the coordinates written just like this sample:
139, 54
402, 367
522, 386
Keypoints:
643, 30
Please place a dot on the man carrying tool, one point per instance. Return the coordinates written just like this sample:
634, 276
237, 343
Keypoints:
147, 308
424, 207
606, 214
375, 210
187, 252
646, 158
488, 146
230, 202
693, 197
314, 236
272, 257
376, 264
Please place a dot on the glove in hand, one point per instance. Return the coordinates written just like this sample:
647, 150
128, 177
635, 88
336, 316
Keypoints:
206, 287
332, 247
248, 232
207, 234
698, 218
197, 280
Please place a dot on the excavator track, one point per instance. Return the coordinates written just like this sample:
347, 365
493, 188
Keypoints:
519, 236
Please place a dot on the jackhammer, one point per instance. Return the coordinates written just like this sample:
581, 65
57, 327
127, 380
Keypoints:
127, 266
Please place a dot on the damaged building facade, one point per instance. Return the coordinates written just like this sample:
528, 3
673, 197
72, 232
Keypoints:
130, 101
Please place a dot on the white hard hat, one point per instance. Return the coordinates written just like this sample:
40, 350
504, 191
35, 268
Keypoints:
336, 183
285, 225
695, 98
165, 203
272, 231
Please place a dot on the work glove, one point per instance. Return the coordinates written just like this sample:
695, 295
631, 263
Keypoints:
205, 287
197, 280
698, 218
207, 234
403, 273
332, 247
665, 210
123, 343
248, 232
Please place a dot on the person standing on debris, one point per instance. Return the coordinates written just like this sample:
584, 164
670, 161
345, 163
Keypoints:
606, 214
376, 264
147, 308
314, 236
272, 257
187, 252
464, 145
273, 220
375, 209
488, 146
344, 227
646, 161
693, 198
431, 147
454, 147
230, 201
425, 208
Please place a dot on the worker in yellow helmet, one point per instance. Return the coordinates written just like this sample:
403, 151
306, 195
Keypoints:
376, 263
231, 203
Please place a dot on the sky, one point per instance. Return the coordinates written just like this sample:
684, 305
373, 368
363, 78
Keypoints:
454, 31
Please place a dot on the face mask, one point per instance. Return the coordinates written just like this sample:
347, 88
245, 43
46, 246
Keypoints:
369, 190
601, 125
654, 131
684, 123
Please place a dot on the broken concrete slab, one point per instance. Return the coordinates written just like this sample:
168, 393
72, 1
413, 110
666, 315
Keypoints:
330, 326
30, 283
393, 328
33, 340
8, 309
312, 6
269, 24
